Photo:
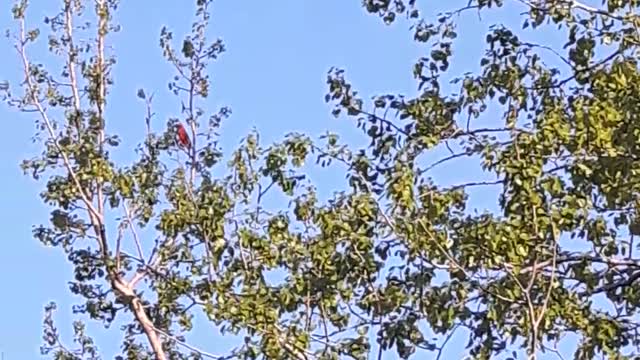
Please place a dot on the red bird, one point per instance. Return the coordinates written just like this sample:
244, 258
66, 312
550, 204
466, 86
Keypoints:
183, 137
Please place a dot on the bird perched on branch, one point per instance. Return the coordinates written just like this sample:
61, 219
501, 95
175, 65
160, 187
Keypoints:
183, 137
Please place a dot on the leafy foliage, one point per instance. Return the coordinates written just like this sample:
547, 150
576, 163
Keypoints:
394, 262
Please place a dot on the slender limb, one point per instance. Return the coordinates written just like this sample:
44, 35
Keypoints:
136, 239
32, 98
71, 55
190, 347
102, 13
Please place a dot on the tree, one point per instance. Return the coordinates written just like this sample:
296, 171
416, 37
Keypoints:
396, 256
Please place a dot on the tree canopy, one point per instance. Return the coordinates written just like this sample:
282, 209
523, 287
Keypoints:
394, 263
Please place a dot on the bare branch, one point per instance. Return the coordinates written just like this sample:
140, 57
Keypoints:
134, 232
446, 340
190, 347
32, 98
545, 303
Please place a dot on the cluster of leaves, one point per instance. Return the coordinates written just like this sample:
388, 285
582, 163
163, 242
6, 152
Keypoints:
394, 257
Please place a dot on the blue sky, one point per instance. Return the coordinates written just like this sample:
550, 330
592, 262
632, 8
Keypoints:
273, 78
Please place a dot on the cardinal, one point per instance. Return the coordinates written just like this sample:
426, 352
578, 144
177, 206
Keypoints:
183, 137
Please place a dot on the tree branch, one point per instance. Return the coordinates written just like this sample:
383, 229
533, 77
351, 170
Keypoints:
32, 97
190, 347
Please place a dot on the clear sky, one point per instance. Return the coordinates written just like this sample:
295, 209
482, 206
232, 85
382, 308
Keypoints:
273, 78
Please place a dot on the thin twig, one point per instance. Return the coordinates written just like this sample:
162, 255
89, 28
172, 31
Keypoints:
71, 59
554, 351
446, 340
134, 232
191, 347
102, 13
324, 324
33, 98
545, 303
118, 245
